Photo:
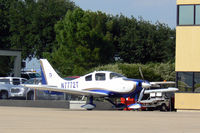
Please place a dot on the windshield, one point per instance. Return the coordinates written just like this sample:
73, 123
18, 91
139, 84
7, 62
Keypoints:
115, 75
33, 81
4, 81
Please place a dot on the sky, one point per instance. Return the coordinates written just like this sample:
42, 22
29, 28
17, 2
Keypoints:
163, 11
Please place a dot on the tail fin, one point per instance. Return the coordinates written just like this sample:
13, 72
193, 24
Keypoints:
49, 75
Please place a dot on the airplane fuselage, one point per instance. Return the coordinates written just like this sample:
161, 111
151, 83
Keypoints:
106, 82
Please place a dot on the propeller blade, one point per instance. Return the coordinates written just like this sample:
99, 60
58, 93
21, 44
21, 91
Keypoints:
141, 74
141, 95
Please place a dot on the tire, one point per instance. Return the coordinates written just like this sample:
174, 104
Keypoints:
4, 95
163, 107
30, 96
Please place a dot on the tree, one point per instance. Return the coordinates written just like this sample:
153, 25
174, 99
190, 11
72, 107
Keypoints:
140, 41
84, 41
5, 62
4, 25
32, 24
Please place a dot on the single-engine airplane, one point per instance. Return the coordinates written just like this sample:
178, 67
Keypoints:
105, 84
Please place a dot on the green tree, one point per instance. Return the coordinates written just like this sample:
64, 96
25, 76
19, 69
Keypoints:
32, 24
4, 25
5, 62
140, 41
84, 41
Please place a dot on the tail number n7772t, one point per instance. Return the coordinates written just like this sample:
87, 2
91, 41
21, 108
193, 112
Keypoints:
69, 85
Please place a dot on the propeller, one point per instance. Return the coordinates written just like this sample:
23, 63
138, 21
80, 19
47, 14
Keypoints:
145, 85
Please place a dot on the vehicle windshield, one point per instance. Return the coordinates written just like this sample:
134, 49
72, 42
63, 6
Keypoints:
33, 81
34, 75
4, 81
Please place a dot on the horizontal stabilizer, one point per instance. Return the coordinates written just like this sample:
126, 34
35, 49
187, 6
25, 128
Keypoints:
170, 89
163, 83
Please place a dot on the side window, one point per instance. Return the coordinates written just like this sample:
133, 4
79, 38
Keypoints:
88, 78
23, 80
100, 76
16, 81
25, 76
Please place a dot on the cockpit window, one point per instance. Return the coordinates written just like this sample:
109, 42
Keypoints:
100, 76
88, 78
115, 75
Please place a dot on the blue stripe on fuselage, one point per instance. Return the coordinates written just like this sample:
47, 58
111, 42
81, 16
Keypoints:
44, 82
114, 94
136, 92
136, 80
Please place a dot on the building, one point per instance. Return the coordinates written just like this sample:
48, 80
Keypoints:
188, 54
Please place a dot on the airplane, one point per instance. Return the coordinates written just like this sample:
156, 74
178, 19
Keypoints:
103, 84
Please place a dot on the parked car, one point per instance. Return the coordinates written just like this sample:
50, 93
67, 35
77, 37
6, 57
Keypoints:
10, 88
12, 80
29, 91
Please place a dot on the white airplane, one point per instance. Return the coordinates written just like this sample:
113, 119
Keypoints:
104, 84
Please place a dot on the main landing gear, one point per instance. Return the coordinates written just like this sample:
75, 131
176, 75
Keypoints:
90, 105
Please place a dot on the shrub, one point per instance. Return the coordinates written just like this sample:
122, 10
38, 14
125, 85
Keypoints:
151, 71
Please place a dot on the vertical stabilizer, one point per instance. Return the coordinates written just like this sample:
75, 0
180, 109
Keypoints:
49, 75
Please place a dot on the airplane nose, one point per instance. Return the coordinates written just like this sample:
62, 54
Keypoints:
146, 85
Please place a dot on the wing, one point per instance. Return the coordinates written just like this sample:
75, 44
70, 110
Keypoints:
70, 91
170, 89
157, 84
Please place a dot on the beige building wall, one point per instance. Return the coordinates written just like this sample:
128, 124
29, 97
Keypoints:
187, 59
187, 101
178, 2
188, 45
188, 48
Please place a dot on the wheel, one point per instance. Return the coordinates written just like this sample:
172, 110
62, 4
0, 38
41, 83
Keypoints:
30, 96
4, 95
163, 107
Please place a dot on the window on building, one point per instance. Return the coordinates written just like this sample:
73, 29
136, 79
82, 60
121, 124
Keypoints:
185, 81
186, 15
197, 82
197, 14
188, 81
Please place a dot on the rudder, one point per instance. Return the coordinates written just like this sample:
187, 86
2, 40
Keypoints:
49, 75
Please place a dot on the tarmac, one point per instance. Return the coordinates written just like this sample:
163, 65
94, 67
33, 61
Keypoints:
58, 120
